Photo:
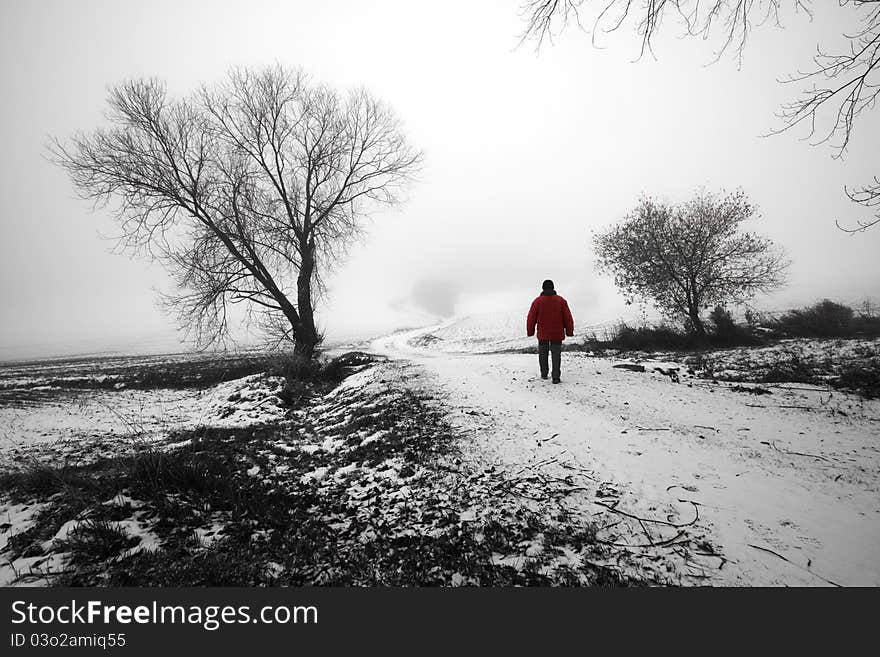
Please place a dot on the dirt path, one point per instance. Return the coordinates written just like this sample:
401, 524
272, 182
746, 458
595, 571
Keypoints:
787, 485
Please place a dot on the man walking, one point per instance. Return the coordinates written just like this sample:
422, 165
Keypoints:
551, 314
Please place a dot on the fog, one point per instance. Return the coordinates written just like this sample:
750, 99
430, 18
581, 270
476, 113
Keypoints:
526, 154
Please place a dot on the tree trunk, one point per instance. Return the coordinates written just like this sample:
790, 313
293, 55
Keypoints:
306, 334
696, 322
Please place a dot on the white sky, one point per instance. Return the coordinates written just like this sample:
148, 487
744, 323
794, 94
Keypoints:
525, 153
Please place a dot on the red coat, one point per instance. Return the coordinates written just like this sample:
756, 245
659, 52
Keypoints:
550, 312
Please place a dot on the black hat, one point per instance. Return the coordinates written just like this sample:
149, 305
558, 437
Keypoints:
548, 285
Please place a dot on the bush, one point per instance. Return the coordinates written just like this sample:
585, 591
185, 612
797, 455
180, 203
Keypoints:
722, 322
861, 378
303, 377
295, 367
866, 326
724, 332
648, 338
664, 337
825, 319
790, 368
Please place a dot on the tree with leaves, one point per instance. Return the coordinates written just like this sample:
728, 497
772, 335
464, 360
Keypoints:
838, 86
690, 257
248, 191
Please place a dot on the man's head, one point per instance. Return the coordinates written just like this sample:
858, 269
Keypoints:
547, 285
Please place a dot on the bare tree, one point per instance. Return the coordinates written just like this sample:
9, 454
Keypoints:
688, 258
838, 86
248, 191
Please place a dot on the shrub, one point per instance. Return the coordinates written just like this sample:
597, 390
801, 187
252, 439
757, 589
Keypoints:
862, 378
302, 376
665, 337
789, 368
727, 333
866, 326
722, 322
824, 319
647, 338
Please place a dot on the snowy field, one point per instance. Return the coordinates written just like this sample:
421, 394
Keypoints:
68, 413
361, 484
77, 409
690, 473
786, 485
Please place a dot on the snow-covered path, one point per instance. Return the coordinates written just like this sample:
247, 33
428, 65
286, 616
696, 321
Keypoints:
787, 485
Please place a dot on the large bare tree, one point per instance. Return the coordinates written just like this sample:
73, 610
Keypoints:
248, 191
837, 88
687, 258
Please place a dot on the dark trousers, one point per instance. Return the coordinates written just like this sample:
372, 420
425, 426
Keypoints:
554, 348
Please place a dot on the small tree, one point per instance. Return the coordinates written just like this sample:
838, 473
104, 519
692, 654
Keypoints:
248, 191
688, 258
